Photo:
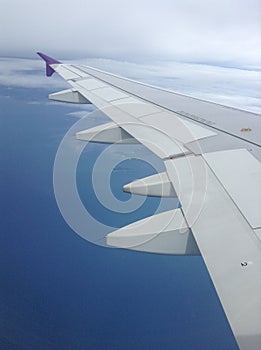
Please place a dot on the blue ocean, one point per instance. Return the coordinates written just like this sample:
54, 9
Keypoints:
61, 292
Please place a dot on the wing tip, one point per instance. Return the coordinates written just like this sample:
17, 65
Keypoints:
48, 61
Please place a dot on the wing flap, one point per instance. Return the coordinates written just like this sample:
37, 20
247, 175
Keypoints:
91, 84
227, 244
245, 190
136, 107
65, 72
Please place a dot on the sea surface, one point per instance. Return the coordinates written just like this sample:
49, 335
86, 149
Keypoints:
61, 292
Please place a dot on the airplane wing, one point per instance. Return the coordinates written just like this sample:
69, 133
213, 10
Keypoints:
212, 157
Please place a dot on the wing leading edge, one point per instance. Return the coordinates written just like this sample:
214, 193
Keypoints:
214, 171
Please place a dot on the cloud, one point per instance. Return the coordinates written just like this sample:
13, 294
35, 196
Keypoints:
77, 114
155, 42
87, 109
235, 87
229, 86
26, 73
186, 30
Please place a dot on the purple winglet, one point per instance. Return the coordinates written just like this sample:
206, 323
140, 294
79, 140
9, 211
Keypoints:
48, 60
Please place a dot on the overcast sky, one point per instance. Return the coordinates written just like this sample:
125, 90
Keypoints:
214, 31
210, 49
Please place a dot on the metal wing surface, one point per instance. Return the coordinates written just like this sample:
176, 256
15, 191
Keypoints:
212, 157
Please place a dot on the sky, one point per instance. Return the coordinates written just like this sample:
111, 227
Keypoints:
208, 49
220, 32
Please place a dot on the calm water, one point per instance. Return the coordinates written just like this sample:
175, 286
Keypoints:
59, 291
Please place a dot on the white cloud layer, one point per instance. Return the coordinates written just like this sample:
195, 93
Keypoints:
25, 73
224, 31
229, 86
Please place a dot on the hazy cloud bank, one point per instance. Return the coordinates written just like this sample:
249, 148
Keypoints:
230, 86
223, 31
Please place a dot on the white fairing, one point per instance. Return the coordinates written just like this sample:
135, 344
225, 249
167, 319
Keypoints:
70, 96
157, 185
106, 133
165, 233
